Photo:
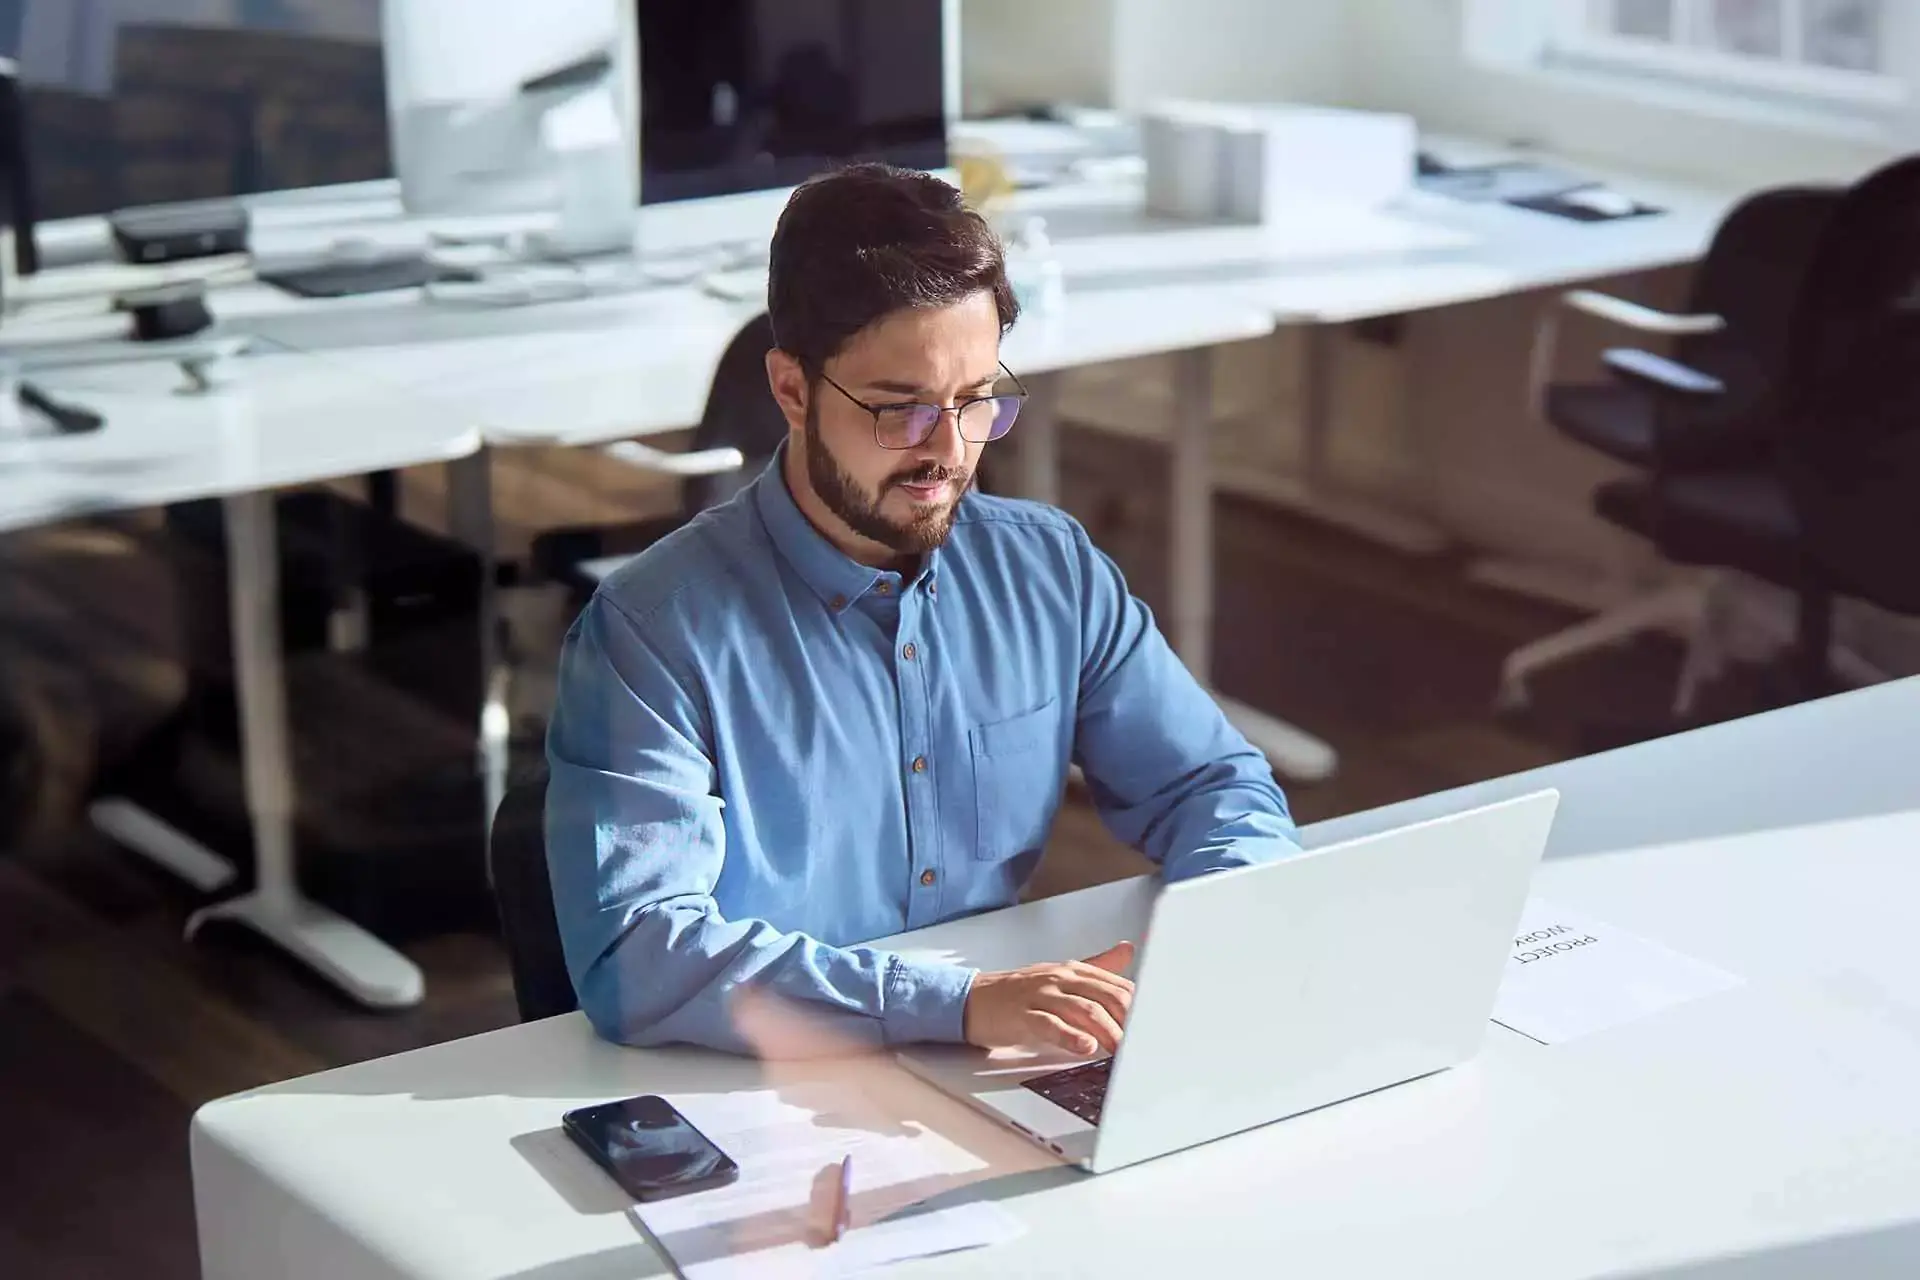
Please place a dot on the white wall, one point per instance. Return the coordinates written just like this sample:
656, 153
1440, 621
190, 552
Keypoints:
1015, 53
1230, 49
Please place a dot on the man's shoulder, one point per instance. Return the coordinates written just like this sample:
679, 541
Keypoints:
661, 584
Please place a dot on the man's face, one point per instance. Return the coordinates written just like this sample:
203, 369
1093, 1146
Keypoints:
902, 500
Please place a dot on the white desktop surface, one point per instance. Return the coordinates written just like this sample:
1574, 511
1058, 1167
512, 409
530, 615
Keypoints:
1770, 1130
286, 419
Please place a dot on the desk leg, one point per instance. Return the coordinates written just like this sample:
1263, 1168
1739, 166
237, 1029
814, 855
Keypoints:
1036, 441
1290, 750
470, 517
1311, 490
334, 947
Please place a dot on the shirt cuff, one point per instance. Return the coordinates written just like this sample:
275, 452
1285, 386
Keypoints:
1242, 852
926, 1002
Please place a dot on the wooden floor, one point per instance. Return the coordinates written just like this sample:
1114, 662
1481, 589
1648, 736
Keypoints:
112, 1030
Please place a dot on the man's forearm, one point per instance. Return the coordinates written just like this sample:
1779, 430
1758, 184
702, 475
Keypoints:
674, 976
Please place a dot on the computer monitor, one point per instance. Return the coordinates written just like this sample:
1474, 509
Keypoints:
758, 95
161, 101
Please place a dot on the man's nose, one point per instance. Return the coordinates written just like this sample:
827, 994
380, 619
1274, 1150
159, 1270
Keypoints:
944, 446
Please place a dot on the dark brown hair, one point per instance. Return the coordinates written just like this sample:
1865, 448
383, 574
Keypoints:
862, 242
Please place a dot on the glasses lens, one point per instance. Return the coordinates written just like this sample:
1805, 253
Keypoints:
1005, 410
905, 426
988, 419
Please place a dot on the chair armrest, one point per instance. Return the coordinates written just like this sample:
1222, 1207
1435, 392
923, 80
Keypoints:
1603, 306
703, 462
1633, 315
1660, 374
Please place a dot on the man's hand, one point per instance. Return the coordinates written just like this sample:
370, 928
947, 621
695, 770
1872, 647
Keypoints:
1080, 1006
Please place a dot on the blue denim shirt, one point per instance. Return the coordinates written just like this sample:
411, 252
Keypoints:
764, 754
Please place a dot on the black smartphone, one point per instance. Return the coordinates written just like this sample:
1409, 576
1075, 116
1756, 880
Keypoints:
649, 1148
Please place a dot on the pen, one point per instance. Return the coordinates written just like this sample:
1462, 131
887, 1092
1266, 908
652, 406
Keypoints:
843, 1196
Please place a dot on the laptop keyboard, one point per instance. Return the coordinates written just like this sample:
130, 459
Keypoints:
1081, 1090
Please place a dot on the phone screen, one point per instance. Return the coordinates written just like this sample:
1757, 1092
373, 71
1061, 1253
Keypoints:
651, 1150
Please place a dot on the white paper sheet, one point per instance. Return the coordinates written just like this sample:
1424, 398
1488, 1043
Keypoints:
1570, 975
768, 1223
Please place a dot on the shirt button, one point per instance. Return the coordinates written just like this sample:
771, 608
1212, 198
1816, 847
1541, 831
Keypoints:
837, 603
919, 764
884, 588
927, 878
909, 652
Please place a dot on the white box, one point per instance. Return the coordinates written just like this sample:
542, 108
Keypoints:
1186, 165
1250, 163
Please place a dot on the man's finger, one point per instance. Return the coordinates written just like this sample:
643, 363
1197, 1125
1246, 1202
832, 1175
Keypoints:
1054, 1030
1106, 977
1091, 1017
1113, 1000
1114, 958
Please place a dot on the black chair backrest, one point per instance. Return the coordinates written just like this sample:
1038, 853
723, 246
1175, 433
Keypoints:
740, 413
1750, 277
1850, 432
523, 894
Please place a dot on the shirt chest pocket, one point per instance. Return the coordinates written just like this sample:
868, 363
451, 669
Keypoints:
1018, 773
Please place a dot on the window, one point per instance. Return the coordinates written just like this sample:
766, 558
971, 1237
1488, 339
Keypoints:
1836, 53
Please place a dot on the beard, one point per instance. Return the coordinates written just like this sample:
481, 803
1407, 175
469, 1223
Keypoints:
860, 511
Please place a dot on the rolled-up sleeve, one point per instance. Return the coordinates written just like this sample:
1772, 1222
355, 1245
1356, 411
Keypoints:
635, 847
1169, 774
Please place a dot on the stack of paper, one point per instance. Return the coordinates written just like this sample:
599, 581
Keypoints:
789, 1143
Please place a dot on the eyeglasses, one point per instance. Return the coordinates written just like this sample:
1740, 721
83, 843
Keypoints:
907, 425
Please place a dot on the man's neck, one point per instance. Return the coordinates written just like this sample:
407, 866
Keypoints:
856, 547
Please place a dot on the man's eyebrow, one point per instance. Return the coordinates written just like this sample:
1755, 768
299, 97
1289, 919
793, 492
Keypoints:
910, 389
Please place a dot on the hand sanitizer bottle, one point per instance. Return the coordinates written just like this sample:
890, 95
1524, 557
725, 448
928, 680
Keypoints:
1034, 270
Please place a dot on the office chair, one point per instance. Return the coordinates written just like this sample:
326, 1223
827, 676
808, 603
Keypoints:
517, 859
740, 414
1711, 407
1829, 508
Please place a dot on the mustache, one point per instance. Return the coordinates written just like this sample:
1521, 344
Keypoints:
933, 475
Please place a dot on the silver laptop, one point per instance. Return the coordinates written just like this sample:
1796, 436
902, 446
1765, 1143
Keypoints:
1267, 991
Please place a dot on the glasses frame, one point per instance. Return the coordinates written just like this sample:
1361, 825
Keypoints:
1020, 393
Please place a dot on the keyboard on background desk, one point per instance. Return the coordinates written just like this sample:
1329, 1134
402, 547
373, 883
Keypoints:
1081, 1090
349, 278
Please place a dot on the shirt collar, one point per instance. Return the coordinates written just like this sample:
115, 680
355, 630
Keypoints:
835, 577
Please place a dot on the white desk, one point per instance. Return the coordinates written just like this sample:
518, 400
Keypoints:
1772, 1130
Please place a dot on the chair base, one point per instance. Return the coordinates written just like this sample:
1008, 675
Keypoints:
1684, 609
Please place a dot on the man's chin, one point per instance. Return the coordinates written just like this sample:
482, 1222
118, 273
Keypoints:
924, 531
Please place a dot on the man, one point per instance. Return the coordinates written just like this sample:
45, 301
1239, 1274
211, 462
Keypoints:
842, 704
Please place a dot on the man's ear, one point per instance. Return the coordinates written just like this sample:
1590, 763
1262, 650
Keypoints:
788, 382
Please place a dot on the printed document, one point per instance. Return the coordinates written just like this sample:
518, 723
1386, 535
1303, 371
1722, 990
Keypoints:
1570, 975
